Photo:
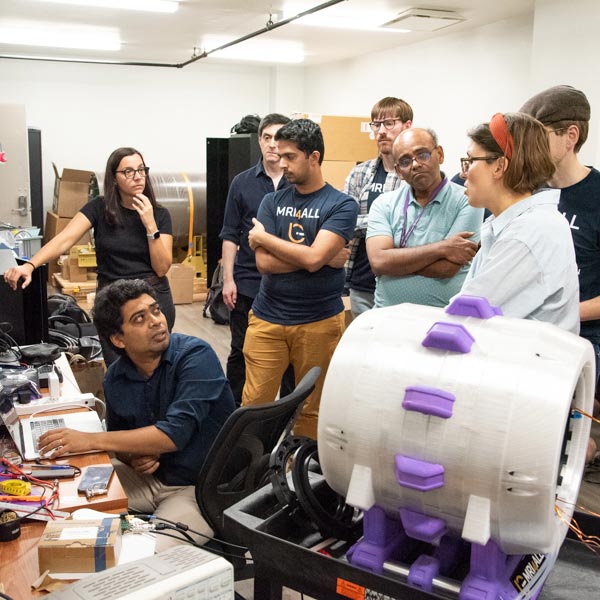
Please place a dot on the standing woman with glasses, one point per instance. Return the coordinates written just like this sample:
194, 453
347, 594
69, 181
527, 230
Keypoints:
526, 263
132, 233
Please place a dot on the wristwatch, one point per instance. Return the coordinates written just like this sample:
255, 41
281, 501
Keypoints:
153, 236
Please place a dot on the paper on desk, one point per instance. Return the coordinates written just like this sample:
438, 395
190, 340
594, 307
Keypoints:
133, 545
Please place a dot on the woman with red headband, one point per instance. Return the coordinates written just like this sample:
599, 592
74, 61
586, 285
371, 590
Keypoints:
526, 263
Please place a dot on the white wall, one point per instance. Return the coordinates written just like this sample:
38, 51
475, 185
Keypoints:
86, 111
452, 83
566, 47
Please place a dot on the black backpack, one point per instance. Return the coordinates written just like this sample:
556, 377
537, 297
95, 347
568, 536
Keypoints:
214, 307
65, 314
248, 124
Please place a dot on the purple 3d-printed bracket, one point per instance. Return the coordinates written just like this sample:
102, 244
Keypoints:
449, 336
422, 572
382, 537
446, 557
422, 527
418, 474
429, 401
473, 306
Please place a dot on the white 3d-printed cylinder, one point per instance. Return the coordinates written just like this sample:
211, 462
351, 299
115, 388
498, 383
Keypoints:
483, 439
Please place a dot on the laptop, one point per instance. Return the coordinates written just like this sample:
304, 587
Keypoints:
25, 430
7, 260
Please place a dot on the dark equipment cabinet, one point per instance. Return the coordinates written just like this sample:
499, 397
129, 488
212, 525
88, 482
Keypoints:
34, 137
225, 158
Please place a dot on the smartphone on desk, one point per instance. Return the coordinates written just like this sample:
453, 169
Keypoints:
95, 480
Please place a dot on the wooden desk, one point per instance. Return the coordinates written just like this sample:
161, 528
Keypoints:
18, 559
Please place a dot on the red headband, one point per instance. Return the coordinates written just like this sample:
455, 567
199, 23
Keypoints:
501, 134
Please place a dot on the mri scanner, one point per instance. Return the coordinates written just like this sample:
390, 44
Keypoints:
458, 433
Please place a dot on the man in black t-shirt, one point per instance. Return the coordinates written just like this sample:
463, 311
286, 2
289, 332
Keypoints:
565, 113
299, 237
365, 182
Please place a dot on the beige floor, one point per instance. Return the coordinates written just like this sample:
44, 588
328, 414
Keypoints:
189, 320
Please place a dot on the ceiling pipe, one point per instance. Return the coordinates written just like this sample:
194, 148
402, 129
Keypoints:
270, 26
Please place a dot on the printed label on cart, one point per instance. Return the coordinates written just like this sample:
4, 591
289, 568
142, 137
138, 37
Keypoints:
350, 590
373, 595
358, 592
528, 571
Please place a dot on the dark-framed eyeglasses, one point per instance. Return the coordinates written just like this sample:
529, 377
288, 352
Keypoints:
466, 162
557, 131
387, 123
422, 157
129, 173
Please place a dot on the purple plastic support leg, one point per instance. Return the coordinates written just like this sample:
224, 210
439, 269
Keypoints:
487, 569
382, 537
422, 572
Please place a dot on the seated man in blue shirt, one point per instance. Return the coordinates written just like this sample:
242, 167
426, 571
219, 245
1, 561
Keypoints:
167, 397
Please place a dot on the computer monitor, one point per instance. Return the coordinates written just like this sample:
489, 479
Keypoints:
26, 310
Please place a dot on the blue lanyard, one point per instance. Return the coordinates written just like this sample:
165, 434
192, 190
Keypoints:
405, 236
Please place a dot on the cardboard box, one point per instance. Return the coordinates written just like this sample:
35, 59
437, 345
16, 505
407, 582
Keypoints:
347, 312
80, 546
336, 171
63, 262
181, 279
85, 255
346, 138
71, 191
76, 273
54, 225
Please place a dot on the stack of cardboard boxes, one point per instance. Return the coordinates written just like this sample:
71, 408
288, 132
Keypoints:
71, 192
348, 141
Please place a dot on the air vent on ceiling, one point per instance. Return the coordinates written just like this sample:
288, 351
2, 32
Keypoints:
424, 19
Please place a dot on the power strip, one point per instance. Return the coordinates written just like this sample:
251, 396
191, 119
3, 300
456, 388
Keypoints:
84, 400
179, 572
24, 511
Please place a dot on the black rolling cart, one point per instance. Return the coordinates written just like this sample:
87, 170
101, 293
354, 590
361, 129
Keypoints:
283, 547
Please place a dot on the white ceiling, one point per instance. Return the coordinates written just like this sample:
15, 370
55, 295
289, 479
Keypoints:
171, 38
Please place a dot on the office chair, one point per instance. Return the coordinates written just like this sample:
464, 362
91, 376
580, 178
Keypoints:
237, 463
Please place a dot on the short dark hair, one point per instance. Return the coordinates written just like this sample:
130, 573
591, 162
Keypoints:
272, 119
560, 128
107, 315
392, 106
530, 166
112, 198
306, 134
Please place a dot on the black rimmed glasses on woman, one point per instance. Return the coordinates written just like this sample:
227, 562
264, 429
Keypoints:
466, 162
129, 173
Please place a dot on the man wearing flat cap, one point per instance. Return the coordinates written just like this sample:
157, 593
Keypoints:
565, 113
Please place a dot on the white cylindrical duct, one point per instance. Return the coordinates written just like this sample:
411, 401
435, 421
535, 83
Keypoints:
476, 432
180, 193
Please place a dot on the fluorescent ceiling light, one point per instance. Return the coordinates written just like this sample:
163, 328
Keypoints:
258, 50
340, 17
55, 35
162, 6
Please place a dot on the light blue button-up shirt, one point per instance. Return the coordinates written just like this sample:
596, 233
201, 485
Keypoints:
526, 264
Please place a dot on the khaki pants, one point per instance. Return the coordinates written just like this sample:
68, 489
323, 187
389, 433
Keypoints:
148, 495
269, 348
